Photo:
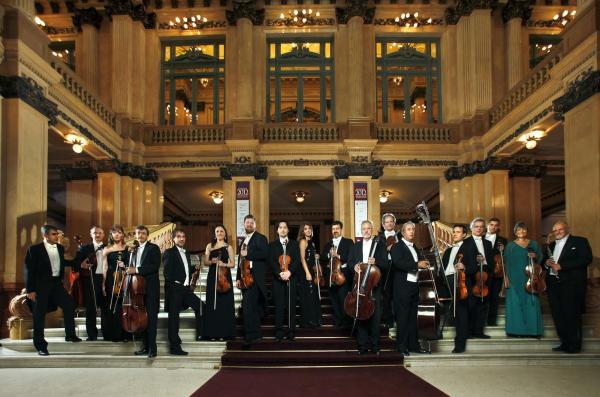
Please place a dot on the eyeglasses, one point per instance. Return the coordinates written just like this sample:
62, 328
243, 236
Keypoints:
556, 230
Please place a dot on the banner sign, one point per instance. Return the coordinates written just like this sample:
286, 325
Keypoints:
242, 208
361, 207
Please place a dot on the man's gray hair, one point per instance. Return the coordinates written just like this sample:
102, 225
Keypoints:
474, 221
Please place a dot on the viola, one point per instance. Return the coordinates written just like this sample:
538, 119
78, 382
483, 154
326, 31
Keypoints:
223, 284
246, 278
336, 276
134, 317
480, 289
360, 303
536, 276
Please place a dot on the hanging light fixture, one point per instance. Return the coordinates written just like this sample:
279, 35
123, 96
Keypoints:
531, 138
77, 141
300, 196
216, 196
384, 196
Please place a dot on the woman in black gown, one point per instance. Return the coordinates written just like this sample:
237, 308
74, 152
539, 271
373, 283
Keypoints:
310, 304
219, 317
114, 254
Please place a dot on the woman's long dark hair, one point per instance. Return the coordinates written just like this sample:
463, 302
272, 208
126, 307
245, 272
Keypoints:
301, 234
214, 239
115, 228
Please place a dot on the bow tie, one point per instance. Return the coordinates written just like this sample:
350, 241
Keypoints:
477, 238
181, 250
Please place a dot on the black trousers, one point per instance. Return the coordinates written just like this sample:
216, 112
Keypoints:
179, 297
337, 295
367, 331
284, 296
406, 304
90, 305
470, 319
387, 301
53, 293
494, 297
252, 310
152, 301
310, 305
567, 300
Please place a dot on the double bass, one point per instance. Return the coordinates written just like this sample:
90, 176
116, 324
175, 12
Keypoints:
360, 303
246, 278
430, 320
134, 317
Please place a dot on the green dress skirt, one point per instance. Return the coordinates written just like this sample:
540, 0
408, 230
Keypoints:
523, 313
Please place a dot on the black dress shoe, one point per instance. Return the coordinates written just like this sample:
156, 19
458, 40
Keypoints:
142, 352
482, 336
198, 338
376, 351
278, 339
572, 351
91, 338
558, 348
152, 354
420, 350
290, 337
362, 352
43, 352
72, 339
458, 351
177, 352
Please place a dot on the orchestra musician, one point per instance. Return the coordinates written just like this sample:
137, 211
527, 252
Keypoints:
388, 224
406, 291
178, 271
254, 298
284, 262
498, 244
44, 269
339, 247
310, 304
364, 251
92, 294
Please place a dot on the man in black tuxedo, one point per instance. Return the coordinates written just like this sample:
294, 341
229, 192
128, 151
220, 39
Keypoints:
365, 251
92, 285
498, 244
44, 269
178, 271
450, 263
339, 247
284, 282
567, 260
471, 314
146, 262
388, 224
406, 290
253, 298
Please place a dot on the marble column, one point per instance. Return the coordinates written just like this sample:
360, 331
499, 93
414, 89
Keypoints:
108, 195
137, 199
80, 207
343, 204
150, 196
87, 56
497, 201
122, 63
515, 64
152, 82
480, 46
126, 201
138, 72
245, 72
527, 206
449, 71
355, 68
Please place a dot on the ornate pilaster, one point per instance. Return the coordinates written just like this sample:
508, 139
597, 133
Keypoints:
29, 92
250, 169
88, 21
580, 89
517, 9
374, 170
245, 9
355, 8
86, 16
464, 8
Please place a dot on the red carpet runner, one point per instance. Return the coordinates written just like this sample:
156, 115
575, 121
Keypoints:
302, 382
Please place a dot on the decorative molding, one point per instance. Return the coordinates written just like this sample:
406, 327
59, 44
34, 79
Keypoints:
86, 16
583, 87
401, 23
245, 9
527, 170
464, 8
85, 170
355, 8
289, 22
374, 170
303, 163
78, 173
258, 171
300, 133
199, 26
521, 129
418, 163
477, 167
188, 164
407, 133
137, 12
159, 135
29, 92
51, 30
517, 9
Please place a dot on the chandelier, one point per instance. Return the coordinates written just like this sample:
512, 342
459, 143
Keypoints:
77, 141
185, 23
408, 20
563, 18
216, 196
300, 17
384, 196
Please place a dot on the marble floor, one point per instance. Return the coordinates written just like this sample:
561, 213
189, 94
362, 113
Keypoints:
531, 381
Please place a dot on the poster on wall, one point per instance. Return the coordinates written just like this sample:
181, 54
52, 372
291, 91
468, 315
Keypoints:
360, 207
242, 208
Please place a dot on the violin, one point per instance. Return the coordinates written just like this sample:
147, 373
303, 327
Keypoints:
246, 278
480, 289
460, 282
390, 241
75, 283
284, 259
195, 277
360, 303
536, 275
336, 276
222, 272
319, 280
498, 266
134, 317
117, 283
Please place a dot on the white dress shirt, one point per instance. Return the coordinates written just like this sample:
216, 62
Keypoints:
411, 276
246, 241
99, 258
491, 238
479, 244
138, 256
52, 250
366, 249
558, 247
186, 266
450, 268
389, 233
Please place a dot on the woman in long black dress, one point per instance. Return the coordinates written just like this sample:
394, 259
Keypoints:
219, 316
114, 255
310, 304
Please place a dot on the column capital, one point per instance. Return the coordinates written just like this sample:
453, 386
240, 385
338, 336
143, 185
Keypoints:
31, 93
583, 87
517, 9
137, 12
245, 9
258, 171
477, 167
373, 169
464, 8
355, 8
527, 170
86, 16
81, 173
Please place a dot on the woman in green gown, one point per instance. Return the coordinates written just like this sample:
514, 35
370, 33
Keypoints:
523, 313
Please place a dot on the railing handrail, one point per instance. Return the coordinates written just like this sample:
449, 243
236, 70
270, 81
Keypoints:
416, 132
300, 132
198, 133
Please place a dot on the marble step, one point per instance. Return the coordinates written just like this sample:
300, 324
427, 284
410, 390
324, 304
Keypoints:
483, 357
32, 360
500, 331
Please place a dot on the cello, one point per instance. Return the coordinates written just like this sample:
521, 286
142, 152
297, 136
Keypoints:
359, 303
134, 317
246, 278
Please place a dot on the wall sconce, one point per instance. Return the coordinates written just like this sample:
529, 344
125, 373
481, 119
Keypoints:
300, 196
530, 139
384, 196
77, 141
217, 197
